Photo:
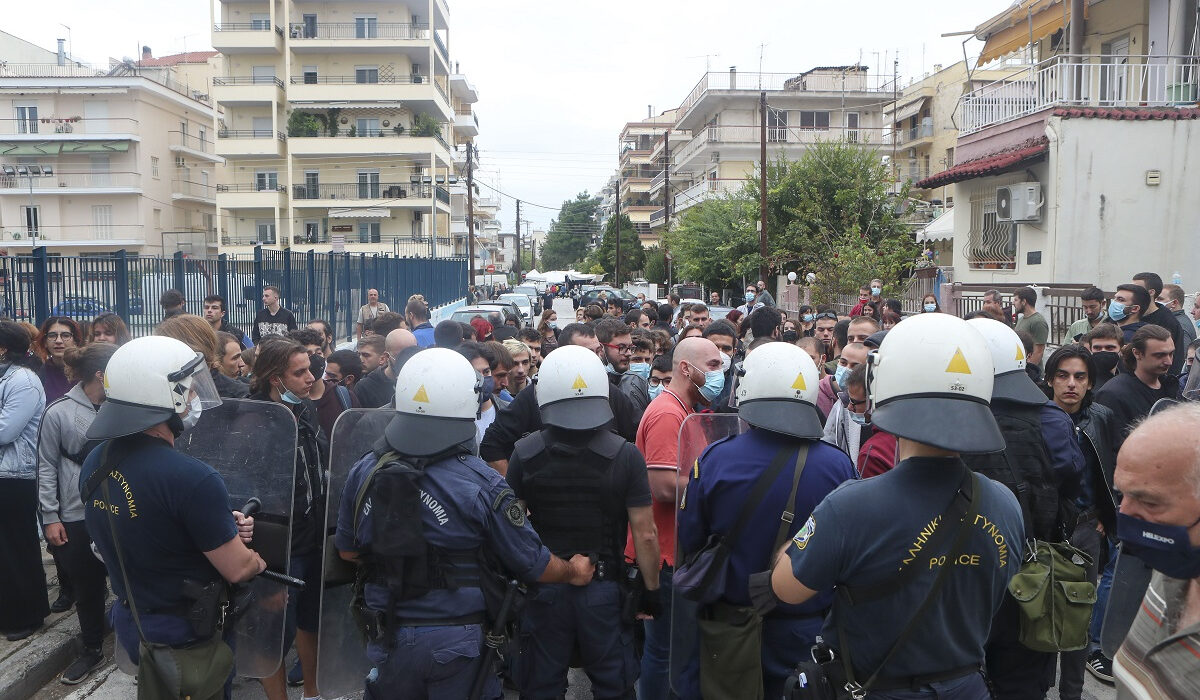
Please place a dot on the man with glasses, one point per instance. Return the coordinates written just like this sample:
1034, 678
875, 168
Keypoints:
617, 340
660, 375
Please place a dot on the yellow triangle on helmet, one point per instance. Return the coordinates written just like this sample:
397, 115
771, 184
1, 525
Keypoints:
579, 383
800, 384
1020, 353
958, 363
422, 396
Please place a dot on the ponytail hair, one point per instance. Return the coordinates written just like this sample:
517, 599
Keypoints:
1144, 334
15, 340
83, 363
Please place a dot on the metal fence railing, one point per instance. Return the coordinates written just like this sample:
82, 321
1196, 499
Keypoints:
331, 286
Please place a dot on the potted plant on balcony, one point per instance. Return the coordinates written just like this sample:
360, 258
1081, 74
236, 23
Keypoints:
425, 125
353, 130
398, 129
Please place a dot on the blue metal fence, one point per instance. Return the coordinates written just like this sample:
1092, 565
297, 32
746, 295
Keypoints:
331, 286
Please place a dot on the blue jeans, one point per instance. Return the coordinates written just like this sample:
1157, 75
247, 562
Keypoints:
971, 687
428, 662
1102, 590
663, 640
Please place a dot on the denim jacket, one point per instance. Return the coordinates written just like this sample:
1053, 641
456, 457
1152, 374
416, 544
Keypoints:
22, 401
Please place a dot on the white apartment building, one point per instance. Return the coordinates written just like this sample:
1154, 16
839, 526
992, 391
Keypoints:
339, 125
95, 161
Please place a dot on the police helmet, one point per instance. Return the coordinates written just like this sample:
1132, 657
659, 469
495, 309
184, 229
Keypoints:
436, 403
572, 389
777, 391
931, 381
149, 381
1008, 361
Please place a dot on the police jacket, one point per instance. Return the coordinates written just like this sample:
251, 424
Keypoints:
522, 417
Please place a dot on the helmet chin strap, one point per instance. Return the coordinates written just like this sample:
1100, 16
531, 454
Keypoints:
175, 424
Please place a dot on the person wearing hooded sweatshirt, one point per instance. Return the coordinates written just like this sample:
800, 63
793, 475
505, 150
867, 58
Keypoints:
62, 447
853, 355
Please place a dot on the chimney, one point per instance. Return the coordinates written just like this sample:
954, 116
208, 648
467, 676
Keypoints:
146, 55
62, 52
733, 77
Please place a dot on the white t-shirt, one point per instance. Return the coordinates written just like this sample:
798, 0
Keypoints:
482, 422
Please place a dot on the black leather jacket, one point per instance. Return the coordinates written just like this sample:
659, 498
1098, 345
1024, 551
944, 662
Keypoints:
1094, 421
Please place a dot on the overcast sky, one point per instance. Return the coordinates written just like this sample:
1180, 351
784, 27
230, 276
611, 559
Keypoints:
557, 79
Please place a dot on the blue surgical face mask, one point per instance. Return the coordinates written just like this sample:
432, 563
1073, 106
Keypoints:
840, 375
876, 291
1116, 310
486, 389
641, 369
808, 318
714, 382
655, 390
749, 297
1164, 548
930, 308
860, 418
289, 397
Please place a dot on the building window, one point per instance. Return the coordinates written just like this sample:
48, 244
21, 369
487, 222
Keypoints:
368, 232
310, 75
776, 125
264, 231
102, 221
27, 119
991, 243
32, 216
266, 180
366, 27
367, 127
852, 127
814, 121
156, 218
368, 184
260, 21
366, 75
154, 167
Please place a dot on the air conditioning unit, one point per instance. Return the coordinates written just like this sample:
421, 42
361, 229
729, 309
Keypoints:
1020, 202
716, 157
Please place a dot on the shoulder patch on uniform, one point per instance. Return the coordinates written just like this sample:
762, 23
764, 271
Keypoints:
805, 533
515, 513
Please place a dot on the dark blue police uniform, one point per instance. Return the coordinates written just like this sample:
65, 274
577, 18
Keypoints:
578, 487
719, 487
465, 505
866, 531
169, 509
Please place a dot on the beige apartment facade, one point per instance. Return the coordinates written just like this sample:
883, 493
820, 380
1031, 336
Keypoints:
340, 126
96, 161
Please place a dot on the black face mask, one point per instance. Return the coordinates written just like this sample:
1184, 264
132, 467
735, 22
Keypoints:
790, 336
1106, 362
316, 365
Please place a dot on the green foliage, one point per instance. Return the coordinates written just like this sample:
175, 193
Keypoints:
332, 118
567, 240
425, 125
633, 255
715, 242
656, 265
303, 124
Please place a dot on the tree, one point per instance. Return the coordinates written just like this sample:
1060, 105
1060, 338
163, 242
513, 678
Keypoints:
633, 256
656, 265
715, 242
569, 236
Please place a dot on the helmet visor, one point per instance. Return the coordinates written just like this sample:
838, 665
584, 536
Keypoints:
196, 381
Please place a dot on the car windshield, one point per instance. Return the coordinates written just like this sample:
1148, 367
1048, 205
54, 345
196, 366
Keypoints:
524, 290
519, 299
466, 316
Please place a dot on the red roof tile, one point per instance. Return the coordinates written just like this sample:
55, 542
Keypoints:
1128, 113
991, 164
176, 59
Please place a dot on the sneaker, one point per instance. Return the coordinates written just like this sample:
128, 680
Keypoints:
82, 667
62, 603
18, 635
295, 675
1100, 666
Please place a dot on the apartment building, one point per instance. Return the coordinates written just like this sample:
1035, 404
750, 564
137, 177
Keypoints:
714, 143
94, 161
638, 167
1073, 168
339, 125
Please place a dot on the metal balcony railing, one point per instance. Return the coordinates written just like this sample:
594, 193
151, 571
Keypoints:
78, 181
249, 187
437, 40
358, 30
251, 134
356, 80
192, 141
249, 80
823, 81
246, 27
193, 189
68, 125
361, 190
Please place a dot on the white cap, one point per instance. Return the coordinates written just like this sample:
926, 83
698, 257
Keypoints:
778, 389
436, 403
572, 389
931, 381
1011, 382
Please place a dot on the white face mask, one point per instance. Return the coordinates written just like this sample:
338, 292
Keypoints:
193, 415
726, 361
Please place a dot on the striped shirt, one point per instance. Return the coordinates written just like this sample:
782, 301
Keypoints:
1158, 660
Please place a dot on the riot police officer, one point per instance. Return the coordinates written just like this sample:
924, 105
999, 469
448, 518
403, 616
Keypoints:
781, 457
582, 485
420, 514
160, 518
922, 554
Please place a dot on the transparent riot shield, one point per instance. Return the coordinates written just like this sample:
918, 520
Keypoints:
342, 663
1131, 577
697, 432
252, 444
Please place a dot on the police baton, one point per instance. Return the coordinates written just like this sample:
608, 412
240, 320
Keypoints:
252, 507
493, 640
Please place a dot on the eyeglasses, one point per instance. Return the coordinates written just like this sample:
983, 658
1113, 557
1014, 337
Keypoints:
623, 348
57, 336
856, 403
655, 381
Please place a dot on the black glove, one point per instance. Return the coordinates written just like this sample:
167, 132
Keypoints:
651, 603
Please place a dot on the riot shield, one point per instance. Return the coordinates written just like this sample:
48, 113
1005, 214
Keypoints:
342, 663
252, 444
695, 435
1131, 577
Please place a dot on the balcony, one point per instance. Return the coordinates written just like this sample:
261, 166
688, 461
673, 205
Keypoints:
631, 156
195, 146
368, 142
915, 136
721, 84
427, 96
658, 218
1073, 80
657, 182
742, 142
463, 89
441, 46
240, 143
250, 196
70, 183
102, 77
466, 123
198, 192
59, 129
247, 89
247, 37
356, 36
362, 193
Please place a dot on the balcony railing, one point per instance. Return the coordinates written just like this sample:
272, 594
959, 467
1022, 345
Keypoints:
381, 132
357, 30
251, 134
437, 40
68, 125
76, 70
1083, 80
249, 187
246, 27
778, 136
658, 180
658, 215
916, 133
191, 141
361, 190
442, 194
83, 181
249, 80
193, 189
355, 80
823, 81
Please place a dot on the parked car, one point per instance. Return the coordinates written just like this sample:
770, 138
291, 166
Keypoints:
524, 305
464, 315
535, 297
594, 295
79, 308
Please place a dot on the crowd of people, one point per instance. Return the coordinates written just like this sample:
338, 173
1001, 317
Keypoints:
551, 454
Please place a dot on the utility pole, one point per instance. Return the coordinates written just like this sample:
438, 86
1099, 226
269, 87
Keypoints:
895, 97
470, 213
617, 258
762, 186
517, 262
667, 195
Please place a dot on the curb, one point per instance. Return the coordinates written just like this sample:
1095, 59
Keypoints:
39, 659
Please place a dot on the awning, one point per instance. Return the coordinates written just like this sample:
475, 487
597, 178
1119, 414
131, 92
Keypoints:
940, 229
95, 146
909, 110
993, 164
1010, 30
29, 148
359, 213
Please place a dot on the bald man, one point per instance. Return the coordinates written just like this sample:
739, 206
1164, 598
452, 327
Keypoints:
696, 380
1158, 472
370, 310
379, 387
